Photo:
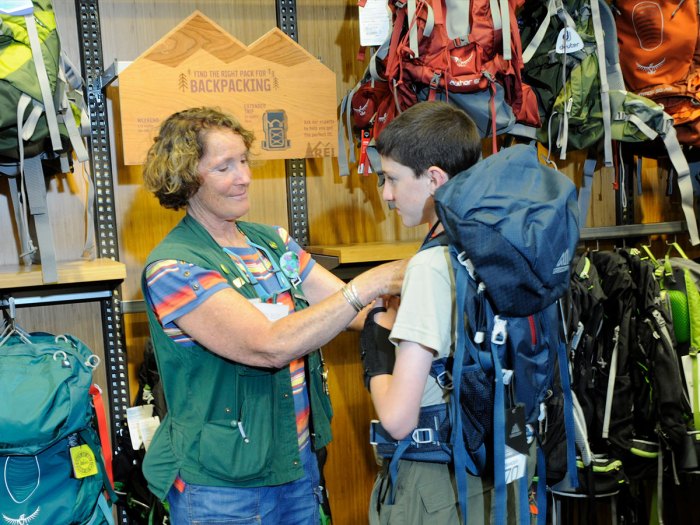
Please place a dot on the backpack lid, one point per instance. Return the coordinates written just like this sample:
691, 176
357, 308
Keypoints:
517, 221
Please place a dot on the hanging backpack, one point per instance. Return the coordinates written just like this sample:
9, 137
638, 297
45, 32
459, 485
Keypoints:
661, 40
678, 279
43, 118
571, 59
465, 52
140, 504
52, 460
583, 317
512, 227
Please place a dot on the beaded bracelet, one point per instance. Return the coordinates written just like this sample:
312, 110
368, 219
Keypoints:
350, 294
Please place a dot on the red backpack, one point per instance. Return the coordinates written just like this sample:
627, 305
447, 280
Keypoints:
660, 40
443, 46
455, 50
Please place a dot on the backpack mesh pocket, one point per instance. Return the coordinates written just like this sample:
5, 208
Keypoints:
476, 404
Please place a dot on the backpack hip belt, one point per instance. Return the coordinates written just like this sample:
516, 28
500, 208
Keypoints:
428, 442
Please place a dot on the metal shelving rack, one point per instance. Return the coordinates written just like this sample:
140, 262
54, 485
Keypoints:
87, 13
90, 39
88, 19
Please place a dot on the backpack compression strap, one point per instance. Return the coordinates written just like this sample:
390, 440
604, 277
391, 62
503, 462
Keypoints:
42, 79
463, 462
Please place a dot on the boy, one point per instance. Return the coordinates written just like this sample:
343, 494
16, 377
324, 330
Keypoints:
420, 150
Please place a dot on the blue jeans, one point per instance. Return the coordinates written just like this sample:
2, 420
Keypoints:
296, 502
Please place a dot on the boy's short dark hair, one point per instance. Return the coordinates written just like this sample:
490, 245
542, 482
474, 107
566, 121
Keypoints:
431, 133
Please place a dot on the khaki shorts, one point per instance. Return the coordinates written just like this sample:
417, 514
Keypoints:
426, 495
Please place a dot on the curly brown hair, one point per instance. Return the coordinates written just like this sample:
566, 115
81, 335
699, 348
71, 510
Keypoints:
170, 171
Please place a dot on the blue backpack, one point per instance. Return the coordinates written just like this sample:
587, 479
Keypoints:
512, 228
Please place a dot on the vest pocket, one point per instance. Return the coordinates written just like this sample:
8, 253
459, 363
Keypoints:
238, 449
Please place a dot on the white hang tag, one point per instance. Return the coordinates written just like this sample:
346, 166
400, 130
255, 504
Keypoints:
375, 22
568, 41
516, 465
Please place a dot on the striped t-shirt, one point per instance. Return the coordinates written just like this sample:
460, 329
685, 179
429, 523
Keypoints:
172, 295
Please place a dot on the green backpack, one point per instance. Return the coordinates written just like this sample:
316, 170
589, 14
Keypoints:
41, 97
43, 119
571, 59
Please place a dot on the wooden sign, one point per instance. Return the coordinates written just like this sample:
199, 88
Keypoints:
274, 87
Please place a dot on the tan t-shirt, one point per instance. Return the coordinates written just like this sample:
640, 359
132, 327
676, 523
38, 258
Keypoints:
427, 312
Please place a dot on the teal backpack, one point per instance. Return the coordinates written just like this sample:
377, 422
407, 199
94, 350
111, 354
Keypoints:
50, 455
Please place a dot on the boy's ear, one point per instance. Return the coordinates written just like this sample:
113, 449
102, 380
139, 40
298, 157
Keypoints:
438, 177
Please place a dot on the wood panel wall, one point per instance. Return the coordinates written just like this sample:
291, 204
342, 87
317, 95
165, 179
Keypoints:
340, 210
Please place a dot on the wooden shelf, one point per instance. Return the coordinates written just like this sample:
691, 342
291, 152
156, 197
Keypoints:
366, 252
15, 277
348, 260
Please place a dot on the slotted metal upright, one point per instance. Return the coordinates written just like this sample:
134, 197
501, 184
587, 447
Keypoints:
90, 41
295, 168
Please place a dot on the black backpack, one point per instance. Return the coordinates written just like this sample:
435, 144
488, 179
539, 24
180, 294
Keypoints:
139, 503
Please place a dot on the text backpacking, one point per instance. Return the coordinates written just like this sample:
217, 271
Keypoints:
52, 463
512, 226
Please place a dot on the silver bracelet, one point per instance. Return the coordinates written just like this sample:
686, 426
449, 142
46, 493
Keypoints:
350, 294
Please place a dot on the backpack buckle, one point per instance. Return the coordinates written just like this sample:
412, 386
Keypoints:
499, 333
460, 41
423, 436
435, 81
444, 380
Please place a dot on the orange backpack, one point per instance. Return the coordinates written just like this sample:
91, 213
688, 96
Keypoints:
660, 57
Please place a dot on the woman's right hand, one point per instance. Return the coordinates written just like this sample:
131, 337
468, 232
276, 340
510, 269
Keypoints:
390, 275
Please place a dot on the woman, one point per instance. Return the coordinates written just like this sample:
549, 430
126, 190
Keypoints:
243, 382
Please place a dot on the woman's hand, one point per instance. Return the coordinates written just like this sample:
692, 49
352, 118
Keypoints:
385, 279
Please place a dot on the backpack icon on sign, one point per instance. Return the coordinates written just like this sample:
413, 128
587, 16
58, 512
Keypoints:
275, 130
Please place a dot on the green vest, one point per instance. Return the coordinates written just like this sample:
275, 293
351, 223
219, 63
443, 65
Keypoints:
227, 424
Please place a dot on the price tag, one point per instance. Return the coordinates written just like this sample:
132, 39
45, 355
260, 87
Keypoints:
375, 22
83, 461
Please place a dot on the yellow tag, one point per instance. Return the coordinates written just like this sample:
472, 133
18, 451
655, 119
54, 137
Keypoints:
83, 460
238, 282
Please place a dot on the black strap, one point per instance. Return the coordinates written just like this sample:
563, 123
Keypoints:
438, 240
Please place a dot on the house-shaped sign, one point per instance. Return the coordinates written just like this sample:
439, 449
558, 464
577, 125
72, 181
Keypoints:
273, 86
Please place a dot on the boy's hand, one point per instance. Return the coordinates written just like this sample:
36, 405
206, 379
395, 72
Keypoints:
387, 306
376, 351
